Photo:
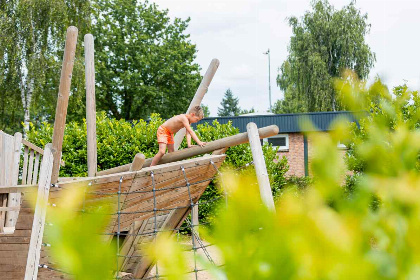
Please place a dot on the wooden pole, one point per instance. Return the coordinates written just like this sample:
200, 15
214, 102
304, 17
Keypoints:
260, 167
194, 212
198, 97
90, 105
63, 99
37, 233
138, 162
195, 151
14, 198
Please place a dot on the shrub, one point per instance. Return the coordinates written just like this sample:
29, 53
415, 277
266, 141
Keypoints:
367, 230
118, 141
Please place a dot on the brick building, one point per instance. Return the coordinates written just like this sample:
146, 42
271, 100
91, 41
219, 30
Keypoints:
291, 141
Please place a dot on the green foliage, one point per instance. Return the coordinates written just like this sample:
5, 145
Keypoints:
237, 157
230, 105
206, 110
77, 244
118, 141
389, 110
32, 35
144, 61
245, 111
325, 42
327, 231
300, 182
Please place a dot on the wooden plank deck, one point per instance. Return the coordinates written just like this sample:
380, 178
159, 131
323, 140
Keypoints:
137, 203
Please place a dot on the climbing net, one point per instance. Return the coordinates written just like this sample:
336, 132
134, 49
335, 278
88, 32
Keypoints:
128, 253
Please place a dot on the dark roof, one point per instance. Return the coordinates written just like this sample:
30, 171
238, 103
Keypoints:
287, 123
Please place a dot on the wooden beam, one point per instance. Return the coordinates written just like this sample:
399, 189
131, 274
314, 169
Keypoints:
195, 151
36, 170
10, 208
198, 97
34, 253
138, 162
32, 146
16, 189
25, 165
31, 167
90, 105
36, 149
63, 99
260, 167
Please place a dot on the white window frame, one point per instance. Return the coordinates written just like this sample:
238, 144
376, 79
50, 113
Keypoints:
341, 146
280, 148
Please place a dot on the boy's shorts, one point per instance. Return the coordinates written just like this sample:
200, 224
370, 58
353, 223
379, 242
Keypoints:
164, 135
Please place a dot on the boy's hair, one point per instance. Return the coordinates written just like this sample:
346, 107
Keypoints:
198, 111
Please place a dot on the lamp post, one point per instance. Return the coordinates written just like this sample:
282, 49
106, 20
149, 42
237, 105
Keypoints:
269, 74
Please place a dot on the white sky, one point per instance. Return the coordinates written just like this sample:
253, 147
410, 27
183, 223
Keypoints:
237, 32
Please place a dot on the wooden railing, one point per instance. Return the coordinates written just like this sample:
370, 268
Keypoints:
31, 159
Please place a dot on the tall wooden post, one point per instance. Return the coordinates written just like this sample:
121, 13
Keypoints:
63, 99
260, 167
90, 105
14, 198
198, 97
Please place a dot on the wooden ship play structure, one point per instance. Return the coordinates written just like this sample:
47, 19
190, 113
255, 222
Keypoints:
150, 199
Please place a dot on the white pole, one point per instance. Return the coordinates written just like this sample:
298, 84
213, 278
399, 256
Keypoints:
90, 105
260, 167
198, 97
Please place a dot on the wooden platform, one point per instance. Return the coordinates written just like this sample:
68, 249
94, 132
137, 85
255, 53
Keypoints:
167, 192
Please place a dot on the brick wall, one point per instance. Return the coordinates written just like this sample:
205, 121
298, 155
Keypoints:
294, 155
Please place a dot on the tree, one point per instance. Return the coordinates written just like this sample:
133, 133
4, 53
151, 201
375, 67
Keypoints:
229, 105
32, 34
245, 111
206, 110
325, 42
145, 61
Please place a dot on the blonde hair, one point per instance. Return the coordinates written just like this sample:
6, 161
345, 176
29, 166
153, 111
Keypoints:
198, 111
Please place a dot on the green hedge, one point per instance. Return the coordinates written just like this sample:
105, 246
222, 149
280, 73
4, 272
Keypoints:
118, 141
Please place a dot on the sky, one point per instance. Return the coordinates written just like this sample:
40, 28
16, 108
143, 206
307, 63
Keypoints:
238, 32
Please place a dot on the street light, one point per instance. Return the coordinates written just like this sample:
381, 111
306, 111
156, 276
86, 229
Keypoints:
269, 83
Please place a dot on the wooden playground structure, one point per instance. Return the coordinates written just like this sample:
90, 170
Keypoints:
150, 199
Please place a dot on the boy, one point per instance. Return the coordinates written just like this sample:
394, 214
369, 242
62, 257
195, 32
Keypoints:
165, 132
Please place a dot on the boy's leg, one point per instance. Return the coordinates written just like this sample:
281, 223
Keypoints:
159, 155
171, 148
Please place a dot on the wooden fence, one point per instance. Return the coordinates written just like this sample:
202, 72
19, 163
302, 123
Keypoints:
19, 165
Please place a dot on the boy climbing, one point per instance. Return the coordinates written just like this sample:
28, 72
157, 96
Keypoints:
165, 132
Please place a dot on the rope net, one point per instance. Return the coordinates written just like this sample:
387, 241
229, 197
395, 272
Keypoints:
154, 220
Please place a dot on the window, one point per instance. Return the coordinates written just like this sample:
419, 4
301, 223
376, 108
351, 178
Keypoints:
280, 142
341, 146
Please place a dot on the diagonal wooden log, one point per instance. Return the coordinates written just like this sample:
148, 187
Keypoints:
198, 97
63, 99
226, 142
260, 167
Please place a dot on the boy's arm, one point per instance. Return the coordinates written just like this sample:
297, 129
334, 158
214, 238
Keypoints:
188, 136
192, 133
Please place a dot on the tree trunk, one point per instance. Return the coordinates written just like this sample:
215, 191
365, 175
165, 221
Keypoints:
26, 95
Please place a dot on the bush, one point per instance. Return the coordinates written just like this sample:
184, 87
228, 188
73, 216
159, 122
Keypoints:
118, 141
366, 230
